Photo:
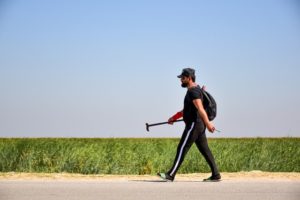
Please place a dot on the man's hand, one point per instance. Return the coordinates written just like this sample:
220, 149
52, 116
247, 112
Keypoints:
210, 127
171, 121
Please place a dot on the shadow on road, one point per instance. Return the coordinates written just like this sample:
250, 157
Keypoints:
162, 181
150, 181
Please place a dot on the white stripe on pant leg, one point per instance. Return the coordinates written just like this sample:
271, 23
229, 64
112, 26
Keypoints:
181, 149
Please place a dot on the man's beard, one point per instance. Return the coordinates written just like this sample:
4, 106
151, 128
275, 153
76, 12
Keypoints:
184, 85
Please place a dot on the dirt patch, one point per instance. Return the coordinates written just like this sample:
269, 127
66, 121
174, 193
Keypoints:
183, 177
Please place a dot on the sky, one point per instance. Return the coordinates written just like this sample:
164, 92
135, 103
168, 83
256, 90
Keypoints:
105, 68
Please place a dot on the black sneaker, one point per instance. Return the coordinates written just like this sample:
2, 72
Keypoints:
213, 178
166, 177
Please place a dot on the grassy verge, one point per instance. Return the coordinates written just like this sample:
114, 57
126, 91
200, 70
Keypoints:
144, 156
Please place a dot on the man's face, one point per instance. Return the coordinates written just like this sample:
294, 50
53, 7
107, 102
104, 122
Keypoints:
184, 81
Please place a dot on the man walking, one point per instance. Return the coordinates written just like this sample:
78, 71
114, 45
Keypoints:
196, 121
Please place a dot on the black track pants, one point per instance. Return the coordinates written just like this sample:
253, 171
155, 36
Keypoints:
193, 133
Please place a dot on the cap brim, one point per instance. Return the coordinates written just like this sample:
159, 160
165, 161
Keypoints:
179, 76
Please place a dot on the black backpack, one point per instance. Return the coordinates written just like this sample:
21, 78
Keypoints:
209, 105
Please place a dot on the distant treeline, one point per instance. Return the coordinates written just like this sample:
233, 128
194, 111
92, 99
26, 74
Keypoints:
144, 156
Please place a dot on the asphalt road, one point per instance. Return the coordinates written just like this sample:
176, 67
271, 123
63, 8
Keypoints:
148, 189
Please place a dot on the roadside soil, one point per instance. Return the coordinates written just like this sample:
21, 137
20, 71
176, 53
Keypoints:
252, 175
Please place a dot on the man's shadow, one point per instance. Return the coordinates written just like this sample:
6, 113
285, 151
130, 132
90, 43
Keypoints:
162, 181
150, 181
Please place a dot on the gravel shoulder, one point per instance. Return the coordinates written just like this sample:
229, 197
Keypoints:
252, 175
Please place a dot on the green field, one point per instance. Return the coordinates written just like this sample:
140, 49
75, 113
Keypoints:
144, 156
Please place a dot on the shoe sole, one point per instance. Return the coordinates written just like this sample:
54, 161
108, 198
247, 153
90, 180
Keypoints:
164, 179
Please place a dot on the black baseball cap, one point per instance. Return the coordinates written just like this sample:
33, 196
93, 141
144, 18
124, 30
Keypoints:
187, 72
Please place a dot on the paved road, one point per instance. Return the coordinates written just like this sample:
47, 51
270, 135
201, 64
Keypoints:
148, 190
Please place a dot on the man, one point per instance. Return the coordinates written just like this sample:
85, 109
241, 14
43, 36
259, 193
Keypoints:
196, 121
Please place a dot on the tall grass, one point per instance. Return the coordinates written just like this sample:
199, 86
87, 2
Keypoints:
144, 156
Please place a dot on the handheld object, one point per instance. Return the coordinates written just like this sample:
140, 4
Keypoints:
161, 123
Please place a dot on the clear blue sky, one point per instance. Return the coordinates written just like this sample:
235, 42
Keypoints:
104, 68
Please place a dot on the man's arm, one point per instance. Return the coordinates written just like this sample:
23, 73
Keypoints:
203, 115
178, 115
